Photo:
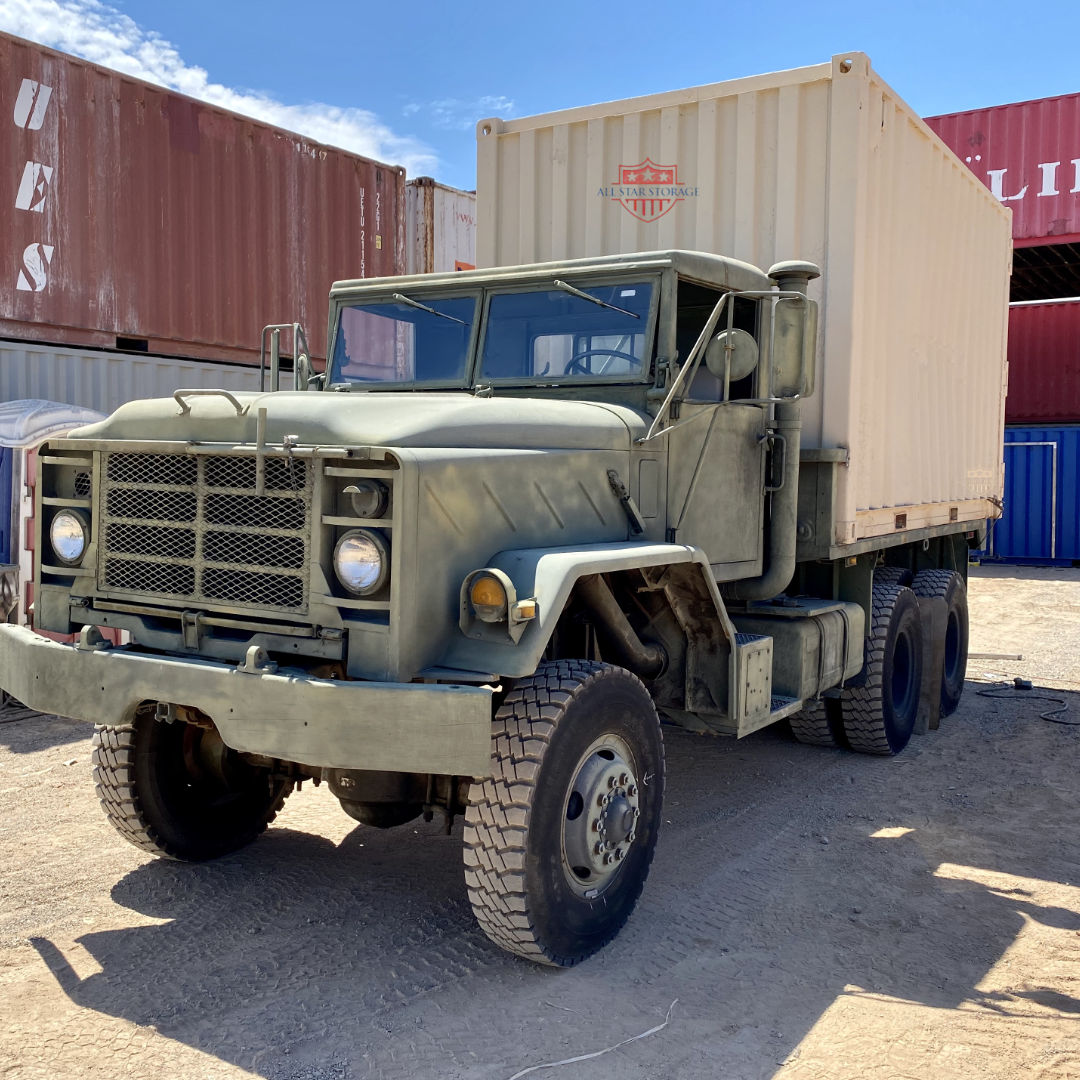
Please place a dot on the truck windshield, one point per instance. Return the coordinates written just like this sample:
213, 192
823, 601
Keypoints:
404, 340
555, 334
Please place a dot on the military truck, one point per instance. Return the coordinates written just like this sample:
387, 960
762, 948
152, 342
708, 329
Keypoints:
524, 517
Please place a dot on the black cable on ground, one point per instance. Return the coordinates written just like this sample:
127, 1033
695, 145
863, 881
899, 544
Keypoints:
1021, 689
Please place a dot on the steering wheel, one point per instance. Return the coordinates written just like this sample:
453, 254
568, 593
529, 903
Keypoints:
576, 366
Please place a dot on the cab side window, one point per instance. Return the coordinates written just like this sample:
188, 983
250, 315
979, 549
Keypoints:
694, 306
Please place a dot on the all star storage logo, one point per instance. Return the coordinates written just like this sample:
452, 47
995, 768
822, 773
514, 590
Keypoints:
648, 190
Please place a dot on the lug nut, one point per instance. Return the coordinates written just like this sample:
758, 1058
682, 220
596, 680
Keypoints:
611, 781
599, 848
618, 854
630, 839
623, 779
632, 790
608, 860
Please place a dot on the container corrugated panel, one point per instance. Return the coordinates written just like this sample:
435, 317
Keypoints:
1041, 520
129, 210
440, 227
104, 380
1044, 363
823, 163
1027, 153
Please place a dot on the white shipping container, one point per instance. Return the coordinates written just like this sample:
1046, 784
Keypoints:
440, 227
826, 164
104, 380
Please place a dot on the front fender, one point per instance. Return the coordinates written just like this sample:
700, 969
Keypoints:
549, 575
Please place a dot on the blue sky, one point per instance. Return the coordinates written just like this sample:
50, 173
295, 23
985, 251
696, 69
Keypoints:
406, 82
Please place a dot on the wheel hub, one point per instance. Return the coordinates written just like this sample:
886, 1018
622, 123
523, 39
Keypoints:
602, 811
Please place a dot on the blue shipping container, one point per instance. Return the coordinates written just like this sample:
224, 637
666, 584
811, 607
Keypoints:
1041, 520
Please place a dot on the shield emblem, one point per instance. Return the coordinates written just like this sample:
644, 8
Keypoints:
648, 190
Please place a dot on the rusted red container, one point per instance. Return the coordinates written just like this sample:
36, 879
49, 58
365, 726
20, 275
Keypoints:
1028, 154
1044, 363
130, 212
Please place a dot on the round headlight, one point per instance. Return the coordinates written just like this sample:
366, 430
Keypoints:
69, 534
488, 598
361, 561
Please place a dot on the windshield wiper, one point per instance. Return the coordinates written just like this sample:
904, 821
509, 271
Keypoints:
596, 300
401, 298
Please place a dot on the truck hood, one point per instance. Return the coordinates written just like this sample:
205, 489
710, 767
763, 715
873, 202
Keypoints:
379, 419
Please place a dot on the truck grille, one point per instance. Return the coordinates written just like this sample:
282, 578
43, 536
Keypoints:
189, 527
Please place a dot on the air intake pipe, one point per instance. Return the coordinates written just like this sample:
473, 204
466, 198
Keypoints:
644, 658
783, 521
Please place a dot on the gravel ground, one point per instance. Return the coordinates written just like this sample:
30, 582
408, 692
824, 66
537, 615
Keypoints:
817, 914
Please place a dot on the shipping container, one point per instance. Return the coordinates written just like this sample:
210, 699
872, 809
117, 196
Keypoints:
1044, 362
823, 163
1028, 154
104, 380
1041, 520
128, 211
440, 227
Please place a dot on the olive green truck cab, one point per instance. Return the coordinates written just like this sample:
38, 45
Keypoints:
524, 515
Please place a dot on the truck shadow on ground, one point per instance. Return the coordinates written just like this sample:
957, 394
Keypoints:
30, 733
297, 946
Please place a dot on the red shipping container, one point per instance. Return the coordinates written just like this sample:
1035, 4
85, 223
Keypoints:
1028, 154
127, 210
1044, 363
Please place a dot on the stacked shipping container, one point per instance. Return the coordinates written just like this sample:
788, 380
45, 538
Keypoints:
1028, 154
440, 228
133, 216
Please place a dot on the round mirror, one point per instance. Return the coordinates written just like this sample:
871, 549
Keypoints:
743, 349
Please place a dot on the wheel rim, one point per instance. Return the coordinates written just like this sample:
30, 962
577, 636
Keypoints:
600, 816
902, 672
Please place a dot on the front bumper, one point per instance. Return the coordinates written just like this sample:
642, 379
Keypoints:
397, 727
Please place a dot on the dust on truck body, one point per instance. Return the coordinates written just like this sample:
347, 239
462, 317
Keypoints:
526, 513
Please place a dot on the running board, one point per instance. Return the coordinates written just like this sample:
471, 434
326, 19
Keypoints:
782, 707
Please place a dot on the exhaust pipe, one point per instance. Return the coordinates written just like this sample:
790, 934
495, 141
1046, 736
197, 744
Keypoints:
783, 520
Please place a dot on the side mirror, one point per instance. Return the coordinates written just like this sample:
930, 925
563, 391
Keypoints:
794, 330
303, 371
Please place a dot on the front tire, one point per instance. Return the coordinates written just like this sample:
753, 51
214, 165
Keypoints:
176, 791
559, 840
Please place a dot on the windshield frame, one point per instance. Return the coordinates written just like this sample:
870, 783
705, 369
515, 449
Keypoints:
583, 282
445, 291
484, 292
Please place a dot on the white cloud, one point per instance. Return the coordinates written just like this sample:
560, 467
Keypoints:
461, 115
105, 36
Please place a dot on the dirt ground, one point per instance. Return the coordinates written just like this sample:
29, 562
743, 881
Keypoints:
816, 914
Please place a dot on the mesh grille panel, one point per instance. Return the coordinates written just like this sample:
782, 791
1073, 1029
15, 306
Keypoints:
181, 525
169, 579
255, 510
151, 505
244, 587
150, 540
152, 469
83, 485
254, 549
223, 472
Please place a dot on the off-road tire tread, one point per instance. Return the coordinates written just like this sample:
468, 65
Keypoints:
861, 705
497, 818
892, 575
811, 725
930, 584
113, 758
